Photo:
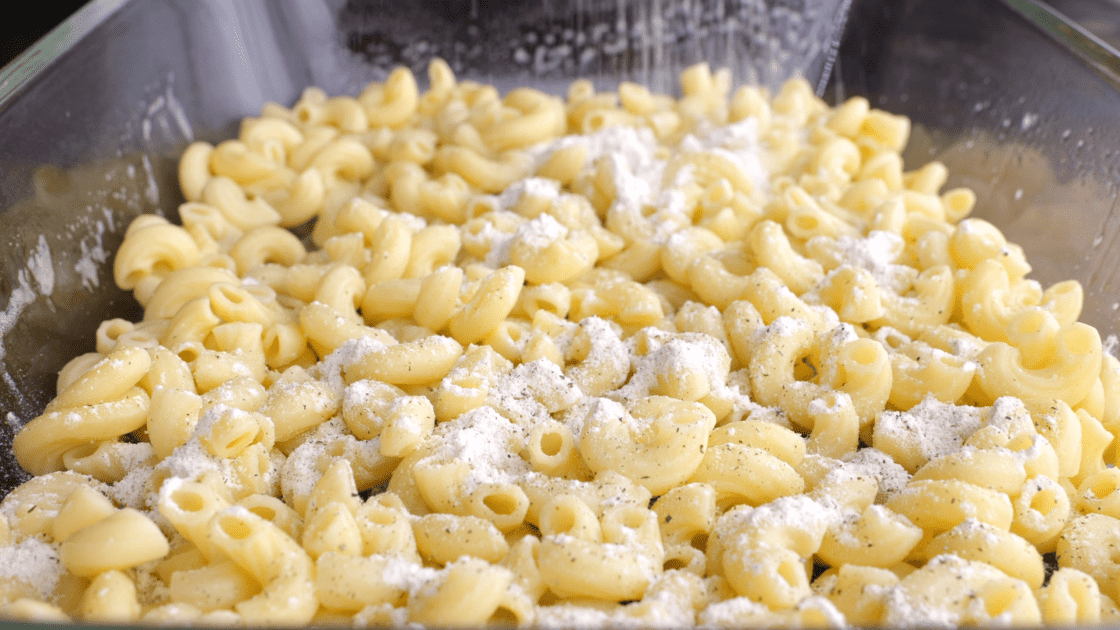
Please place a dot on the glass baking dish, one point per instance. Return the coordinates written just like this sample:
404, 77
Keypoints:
94, 116
1018, 101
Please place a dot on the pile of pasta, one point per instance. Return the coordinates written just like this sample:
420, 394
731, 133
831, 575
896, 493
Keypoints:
609, 359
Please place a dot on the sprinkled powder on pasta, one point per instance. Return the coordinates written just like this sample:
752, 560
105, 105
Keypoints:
609, 359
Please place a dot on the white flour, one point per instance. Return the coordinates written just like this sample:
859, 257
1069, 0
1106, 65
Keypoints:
532, 392
910, 605
732, 612
645, 197
537, 187
875, 253
601, 411
496, 241
32, 562
41, 267
541, 232
304, 466
537, 233
484, 440
408, 576
40, 270
133, 490
932, 428
607, 355
739, 143
878, 465
800, 512
93, 257
681, 356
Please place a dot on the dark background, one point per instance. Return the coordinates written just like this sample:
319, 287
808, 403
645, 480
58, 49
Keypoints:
18, 33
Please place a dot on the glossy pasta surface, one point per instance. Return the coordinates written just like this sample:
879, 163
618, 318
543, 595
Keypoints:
607, 359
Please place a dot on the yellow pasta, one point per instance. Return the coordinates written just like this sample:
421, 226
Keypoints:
613, 357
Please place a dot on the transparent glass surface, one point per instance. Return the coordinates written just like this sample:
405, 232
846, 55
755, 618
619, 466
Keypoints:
1025, 120
93, 118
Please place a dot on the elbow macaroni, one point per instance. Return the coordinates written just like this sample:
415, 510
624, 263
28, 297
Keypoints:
522, 377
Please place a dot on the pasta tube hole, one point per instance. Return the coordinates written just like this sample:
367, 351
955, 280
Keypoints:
467, 382
1080, 341
143, 338
1103, 487
533, 305
264, 511
1031, 323
234, 527
380, 517
476, 207
188, 500
1063, 296
273, 344
501, 503
229, 293
1044, 502
807, 223
865, 354
238, 444
551, 443
958, 202
675, 563
113, 329
303, 113
595, 121
699, 541
189, 353
791, 572
631, 518
561, 520
77, 453
950, 361
159, 476
514, 333
719, 194
892, 339
806, 367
